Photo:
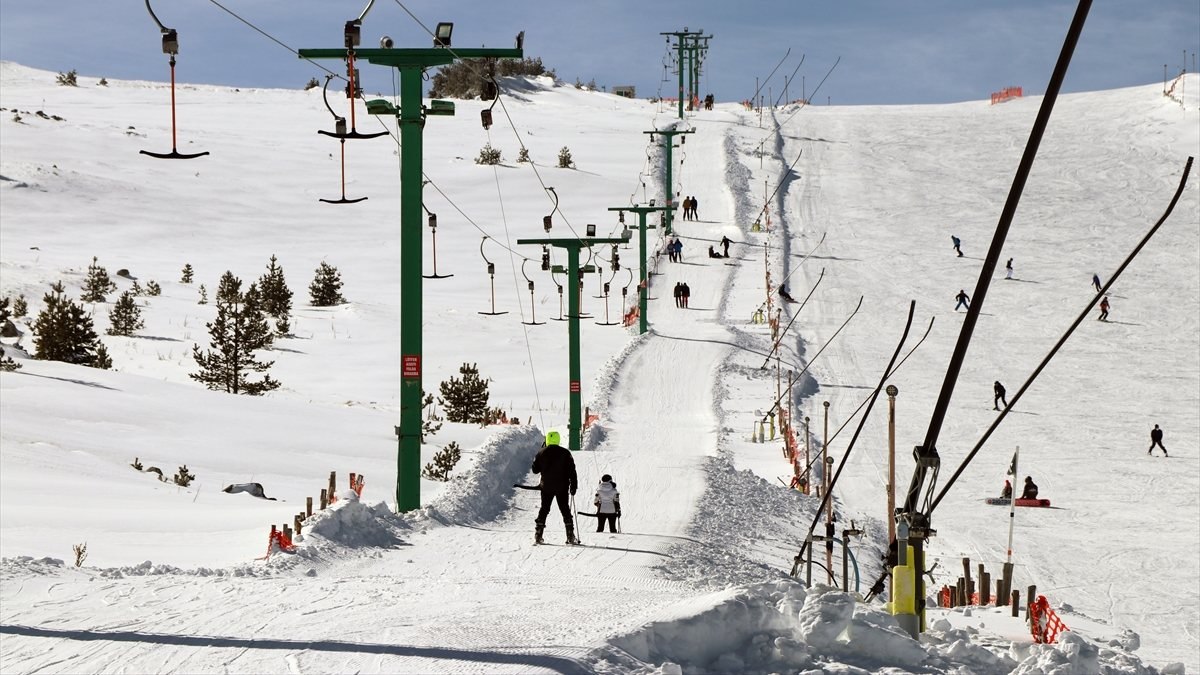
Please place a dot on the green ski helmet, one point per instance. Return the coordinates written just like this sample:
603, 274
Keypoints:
553, 438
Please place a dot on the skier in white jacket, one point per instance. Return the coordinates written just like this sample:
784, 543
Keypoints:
608, 504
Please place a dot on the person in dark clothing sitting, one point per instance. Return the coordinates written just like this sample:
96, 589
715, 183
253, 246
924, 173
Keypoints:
557, 467
1031, 489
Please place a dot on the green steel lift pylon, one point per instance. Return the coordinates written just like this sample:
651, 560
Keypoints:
412, 64
573, 246
643, 273
668, 187
680, 46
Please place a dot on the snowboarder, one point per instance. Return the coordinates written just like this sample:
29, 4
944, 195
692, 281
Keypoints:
957, 244
679, 294
783, 293
1031, 489
998, 395
1156, 439
1006, 493
1008, 269
685, 293
1103, 310
963, 300
608, 504
557, 467
726, 241
1096, 282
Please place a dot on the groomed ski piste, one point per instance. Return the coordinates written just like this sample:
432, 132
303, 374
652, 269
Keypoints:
697, 581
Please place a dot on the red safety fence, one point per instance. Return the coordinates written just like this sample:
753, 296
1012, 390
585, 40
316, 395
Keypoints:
277, 540
1044, 623
1006, 94
631, 316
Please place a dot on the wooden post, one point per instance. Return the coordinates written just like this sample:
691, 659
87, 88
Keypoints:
1000, 599
308, 506
961, 591
287, 531
1008, 574
985, 588
352, 474
297, 524
1031, 593
324, 499
332, 486
1016, 603
967, 577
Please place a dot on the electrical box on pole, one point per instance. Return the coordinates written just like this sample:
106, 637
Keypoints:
412, 64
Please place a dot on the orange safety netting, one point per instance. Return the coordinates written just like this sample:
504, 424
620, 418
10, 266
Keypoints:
1044, 623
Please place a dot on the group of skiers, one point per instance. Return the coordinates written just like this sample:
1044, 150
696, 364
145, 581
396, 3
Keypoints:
559, 481
674, 249
725, 242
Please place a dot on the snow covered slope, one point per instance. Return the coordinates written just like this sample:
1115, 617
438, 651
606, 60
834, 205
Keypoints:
698, 576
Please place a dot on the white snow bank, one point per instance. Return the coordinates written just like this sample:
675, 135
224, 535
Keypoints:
485, 490
351, 523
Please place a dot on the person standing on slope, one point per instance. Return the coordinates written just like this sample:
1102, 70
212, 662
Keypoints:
957, 244
608, 504
1096, 282
1156, 439
726, 241
1103, 310
557, 467
1008, 269
963, 300
998, 395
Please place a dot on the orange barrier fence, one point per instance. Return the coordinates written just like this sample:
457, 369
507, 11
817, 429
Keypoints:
1044, 623
1006, 94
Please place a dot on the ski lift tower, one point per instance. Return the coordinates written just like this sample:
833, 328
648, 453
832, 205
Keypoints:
573, 245
682, 57
412, 64
668, 187
643, 275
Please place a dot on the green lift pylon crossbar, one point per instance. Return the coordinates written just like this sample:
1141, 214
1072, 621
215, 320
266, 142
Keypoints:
412, 64
573, 245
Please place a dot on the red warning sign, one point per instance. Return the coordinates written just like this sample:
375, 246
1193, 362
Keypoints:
575, 387
410, 365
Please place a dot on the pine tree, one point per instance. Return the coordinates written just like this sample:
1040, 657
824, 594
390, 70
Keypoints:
64, 332
443, 463
153, 289
564, 158
125, 316
229, 289
325, 289
97, 285
238, 331
137, 289
187, 274
6, 363
277, 297
523, 155
203, 295
20, 306
465, 400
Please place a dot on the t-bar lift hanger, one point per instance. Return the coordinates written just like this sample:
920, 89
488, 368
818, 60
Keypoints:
170, 45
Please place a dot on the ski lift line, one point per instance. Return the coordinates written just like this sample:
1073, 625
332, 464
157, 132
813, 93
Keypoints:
807, 98
813, 360
1062, 340
764, 82
798, 266
767, 201
789, 79
928, 329
825, 499
794, 317
271, 38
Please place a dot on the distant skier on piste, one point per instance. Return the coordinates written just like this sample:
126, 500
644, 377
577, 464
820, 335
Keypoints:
963, 300
557, 467
1156, 439
608, 504
957, 244
998, 393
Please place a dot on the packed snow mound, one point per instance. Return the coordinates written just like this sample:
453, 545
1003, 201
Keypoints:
485, 491
351, 523
782, 627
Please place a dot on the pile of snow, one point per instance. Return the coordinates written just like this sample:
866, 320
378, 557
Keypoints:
351, 523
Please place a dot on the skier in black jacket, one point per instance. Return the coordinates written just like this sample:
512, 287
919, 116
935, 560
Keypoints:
557, 467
